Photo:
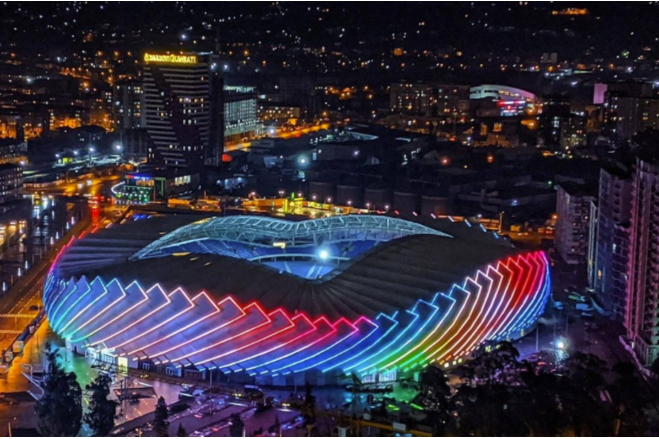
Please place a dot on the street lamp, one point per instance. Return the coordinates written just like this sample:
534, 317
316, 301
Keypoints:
118, 147
92, 150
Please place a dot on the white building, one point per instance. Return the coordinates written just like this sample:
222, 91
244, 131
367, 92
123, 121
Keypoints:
572, 228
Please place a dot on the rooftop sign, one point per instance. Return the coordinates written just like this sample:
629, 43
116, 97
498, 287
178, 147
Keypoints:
170, 58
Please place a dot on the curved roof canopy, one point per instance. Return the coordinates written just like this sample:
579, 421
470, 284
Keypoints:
264, 231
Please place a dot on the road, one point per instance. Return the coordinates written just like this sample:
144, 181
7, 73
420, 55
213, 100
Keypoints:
22, 302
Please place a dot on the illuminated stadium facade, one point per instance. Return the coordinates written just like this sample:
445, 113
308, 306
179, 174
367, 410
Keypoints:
288, 302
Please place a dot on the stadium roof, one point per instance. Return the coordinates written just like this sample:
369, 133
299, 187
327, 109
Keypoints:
391, 276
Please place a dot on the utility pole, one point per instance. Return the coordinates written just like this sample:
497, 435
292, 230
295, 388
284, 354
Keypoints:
210, 390
537, 337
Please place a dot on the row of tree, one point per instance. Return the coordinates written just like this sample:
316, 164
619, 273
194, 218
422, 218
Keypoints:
502, 396
59, 411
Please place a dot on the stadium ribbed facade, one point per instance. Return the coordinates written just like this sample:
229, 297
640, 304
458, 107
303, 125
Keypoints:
292, 301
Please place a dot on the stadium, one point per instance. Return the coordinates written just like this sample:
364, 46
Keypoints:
288, 302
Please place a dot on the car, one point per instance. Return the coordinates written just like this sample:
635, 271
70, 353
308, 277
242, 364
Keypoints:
199, 415
219, 427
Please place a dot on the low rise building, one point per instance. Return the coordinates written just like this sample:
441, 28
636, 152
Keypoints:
11, 182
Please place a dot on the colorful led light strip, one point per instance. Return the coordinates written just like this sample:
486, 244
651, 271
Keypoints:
499, 301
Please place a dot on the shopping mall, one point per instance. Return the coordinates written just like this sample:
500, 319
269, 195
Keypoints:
288, 302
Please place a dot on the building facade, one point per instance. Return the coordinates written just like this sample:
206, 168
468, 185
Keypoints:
13, 151
642, 313
179, 112
624, 116
241, 123
128, 105
430, 100
573, 209
608, 276
11, 182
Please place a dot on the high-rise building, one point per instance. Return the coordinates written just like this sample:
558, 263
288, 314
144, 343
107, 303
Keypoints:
180, 108
642, 311
571, 236
610, 246
624, 116
241, 121
189, 114
128, 105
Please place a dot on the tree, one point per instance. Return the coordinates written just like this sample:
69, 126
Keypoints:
59, 411
100, 417
181, 431
492, 362
237, 426
630, 398
309, 406
435, 398
654, 369
160, 422
277, 426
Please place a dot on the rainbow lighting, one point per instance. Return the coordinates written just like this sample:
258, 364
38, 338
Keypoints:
121, 315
